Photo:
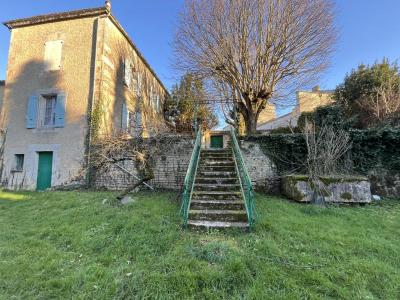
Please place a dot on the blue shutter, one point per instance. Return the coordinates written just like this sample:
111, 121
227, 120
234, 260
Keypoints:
125, 115
31, 116
60, 110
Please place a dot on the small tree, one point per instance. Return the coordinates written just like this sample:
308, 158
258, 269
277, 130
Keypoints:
326, 147
255, 50
370, 94
189, 100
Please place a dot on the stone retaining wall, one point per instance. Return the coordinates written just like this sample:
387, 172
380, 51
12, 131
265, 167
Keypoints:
339, 189
170, 168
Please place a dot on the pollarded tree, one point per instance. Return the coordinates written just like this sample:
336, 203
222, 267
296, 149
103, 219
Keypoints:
254, 50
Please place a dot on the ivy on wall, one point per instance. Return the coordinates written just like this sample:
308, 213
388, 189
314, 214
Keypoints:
372, 149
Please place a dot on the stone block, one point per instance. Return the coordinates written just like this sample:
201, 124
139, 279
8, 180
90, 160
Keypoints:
339, 189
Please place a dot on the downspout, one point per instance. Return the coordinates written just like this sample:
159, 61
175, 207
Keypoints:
90, 112
93, 97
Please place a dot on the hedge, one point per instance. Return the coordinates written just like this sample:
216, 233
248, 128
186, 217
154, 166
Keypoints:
372, 149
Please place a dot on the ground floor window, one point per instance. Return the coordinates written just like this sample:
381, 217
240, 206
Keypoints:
18, 163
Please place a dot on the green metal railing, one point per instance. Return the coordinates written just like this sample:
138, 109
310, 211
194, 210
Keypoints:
190, 178
244, 178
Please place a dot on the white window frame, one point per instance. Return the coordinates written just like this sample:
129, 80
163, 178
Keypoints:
42, 110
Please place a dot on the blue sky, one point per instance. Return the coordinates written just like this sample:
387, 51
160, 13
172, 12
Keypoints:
368, 30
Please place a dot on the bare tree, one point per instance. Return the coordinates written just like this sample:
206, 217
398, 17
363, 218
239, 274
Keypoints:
325, 149
255, 50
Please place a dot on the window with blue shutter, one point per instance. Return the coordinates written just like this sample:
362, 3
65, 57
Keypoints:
125, 116
31, 116
60, 110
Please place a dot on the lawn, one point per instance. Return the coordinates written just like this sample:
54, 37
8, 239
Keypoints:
69, 245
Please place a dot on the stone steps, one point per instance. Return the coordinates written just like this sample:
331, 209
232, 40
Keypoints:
206, 168
206, 225
216, 195
218, 215
216, 187
217, 201
216, 174
216, 180
218, 204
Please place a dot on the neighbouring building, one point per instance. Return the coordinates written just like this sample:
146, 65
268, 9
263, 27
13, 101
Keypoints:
307, 101
2, 84
72, 77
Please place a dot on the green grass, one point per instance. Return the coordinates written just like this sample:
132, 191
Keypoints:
69, 245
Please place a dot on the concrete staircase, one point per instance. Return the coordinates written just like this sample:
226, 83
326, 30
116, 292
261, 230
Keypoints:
217, 201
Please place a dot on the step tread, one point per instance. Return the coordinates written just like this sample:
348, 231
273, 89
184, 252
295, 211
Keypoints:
197, 201
220, 184
217, 212
213, 178
217, 192
218, 224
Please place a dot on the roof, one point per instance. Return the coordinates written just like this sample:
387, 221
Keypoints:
2, 83
78, 14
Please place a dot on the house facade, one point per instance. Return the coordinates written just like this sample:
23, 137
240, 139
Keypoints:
2, 84
72, 78
307, 101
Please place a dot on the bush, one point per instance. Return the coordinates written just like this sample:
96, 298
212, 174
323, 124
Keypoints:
331, 115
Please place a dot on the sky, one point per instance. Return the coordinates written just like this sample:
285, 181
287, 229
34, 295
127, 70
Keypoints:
369, 30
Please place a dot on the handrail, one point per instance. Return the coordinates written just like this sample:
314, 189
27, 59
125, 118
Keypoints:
244, 178
190, 178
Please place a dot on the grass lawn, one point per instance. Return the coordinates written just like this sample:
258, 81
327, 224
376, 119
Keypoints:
69, 245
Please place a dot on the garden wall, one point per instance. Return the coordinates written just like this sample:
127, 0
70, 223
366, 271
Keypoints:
170, 168
375, 153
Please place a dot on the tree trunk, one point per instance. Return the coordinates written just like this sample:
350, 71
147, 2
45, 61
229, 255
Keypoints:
251, 123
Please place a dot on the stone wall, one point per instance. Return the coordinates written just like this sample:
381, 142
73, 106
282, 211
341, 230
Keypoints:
338, 189
262, 170
385, 183
169, 168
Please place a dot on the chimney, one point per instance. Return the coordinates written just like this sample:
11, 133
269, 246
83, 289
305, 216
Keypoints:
316, 88
108, 5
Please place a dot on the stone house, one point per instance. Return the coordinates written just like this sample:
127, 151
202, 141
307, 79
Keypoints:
307, 101
72, 77
2, 84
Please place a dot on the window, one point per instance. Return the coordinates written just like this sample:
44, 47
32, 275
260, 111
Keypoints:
134, 123
128, 73
158, 103
47, 110
18, 163
52, 55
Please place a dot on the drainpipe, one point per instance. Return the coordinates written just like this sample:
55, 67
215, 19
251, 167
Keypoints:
90, 112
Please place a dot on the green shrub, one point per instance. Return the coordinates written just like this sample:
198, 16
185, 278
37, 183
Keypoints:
372, 149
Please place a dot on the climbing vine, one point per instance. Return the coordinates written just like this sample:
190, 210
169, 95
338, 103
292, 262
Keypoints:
372, 149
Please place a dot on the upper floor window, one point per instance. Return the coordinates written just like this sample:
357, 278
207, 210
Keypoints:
52, 55
128, 72
46, 110
49, 111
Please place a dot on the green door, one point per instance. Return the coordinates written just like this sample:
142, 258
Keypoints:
217, 141
44, 170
